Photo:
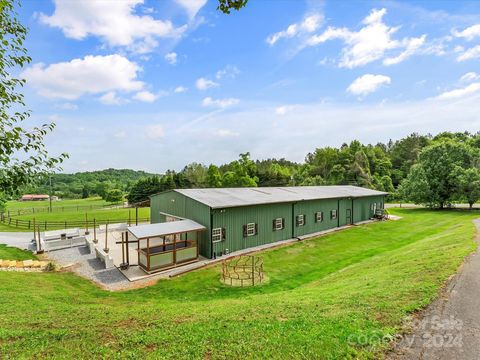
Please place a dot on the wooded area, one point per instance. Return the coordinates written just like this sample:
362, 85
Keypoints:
433, 170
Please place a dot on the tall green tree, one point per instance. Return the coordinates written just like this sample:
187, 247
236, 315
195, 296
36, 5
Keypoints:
16, 171
468, 185
434, 179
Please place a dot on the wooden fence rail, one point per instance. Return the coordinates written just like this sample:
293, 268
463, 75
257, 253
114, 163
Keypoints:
65, 224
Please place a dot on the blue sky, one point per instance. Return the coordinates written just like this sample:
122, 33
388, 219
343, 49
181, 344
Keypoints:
157, 84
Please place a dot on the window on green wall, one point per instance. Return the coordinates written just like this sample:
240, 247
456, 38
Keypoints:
218, 234
319, 216
250, 229
300, 220
278, 224
333, 214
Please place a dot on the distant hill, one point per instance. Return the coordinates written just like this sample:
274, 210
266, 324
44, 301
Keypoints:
90, 183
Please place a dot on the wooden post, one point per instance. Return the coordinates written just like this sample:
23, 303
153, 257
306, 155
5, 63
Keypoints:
136, 215
106, 249
148, 254
39, 248
86, 224
174, 249
123, 265
94, 232
128, 251
129, 217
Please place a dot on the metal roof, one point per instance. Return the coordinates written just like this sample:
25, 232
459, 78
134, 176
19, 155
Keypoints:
232, 197
165, 228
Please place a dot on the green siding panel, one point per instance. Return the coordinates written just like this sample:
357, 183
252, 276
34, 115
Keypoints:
309, 208
176, 204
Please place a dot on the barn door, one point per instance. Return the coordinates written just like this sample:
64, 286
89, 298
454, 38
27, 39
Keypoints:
348, 216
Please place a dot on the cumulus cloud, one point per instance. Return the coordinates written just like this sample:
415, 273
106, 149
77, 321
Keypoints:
469, 54
469, 33
115, 22
226, 133
469, 76
145, 96
367, 84
192, 7
282, 110
180, 89
308, 25
229, 71
460, 93
90, 75
67, 106
110, 98
155, 132
171, 58
372, 42
204, 84
220, 103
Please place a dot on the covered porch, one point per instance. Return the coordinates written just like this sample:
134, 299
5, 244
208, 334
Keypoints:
166, 245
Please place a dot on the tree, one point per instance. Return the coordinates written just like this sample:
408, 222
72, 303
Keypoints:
196, 175
145, 187
226, 6
242, 173
14, 139
214, 177
468, 186
102, 188
114, 196
434, 179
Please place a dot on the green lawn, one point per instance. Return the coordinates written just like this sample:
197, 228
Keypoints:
69, 212
323, 296
11, 253
93, 201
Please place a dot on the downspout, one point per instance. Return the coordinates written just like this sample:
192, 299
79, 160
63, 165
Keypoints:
293, 220
338, 213
351, 213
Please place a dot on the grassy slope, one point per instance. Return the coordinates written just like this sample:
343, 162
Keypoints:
11, 253
93, 201
323, 292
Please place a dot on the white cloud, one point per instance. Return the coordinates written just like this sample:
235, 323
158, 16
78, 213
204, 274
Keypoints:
469, 54
469, 33
367, 84
110, 98
90, 75
282, 110
115, 22
67, 106
220, 103
230, 71
372, 42
204, 84
145, 96
411, 47
226, 133
192, 7
171, 58
470, 76
460, 93
155, 132
180, 89
308, 25
120, 134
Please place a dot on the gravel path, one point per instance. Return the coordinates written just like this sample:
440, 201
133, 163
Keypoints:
22, 240
450, 326
86, 265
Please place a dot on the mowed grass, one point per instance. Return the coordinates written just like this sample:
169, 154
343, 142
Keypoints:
328, 298
70, 212
11, 253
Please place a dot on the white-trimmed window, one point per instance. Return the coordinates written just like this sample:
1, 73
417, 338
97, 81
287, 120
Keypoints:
250, 229
319, 216
300, 220
333, 214
218, 234
278, 224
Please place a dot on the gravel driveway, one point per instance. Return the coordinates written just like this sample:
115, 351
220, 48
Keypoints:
22, 240
450, 327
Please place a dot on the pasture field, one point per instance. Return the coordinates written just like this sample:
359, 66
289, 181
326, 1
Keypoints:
331, 297
70, 210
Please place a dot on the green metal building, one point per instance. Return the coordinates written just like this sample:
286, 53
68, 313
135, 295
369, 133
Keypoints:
239, 218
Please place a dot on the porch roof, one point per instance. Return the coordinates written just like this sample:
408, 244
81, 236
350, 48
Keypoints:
165, 228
